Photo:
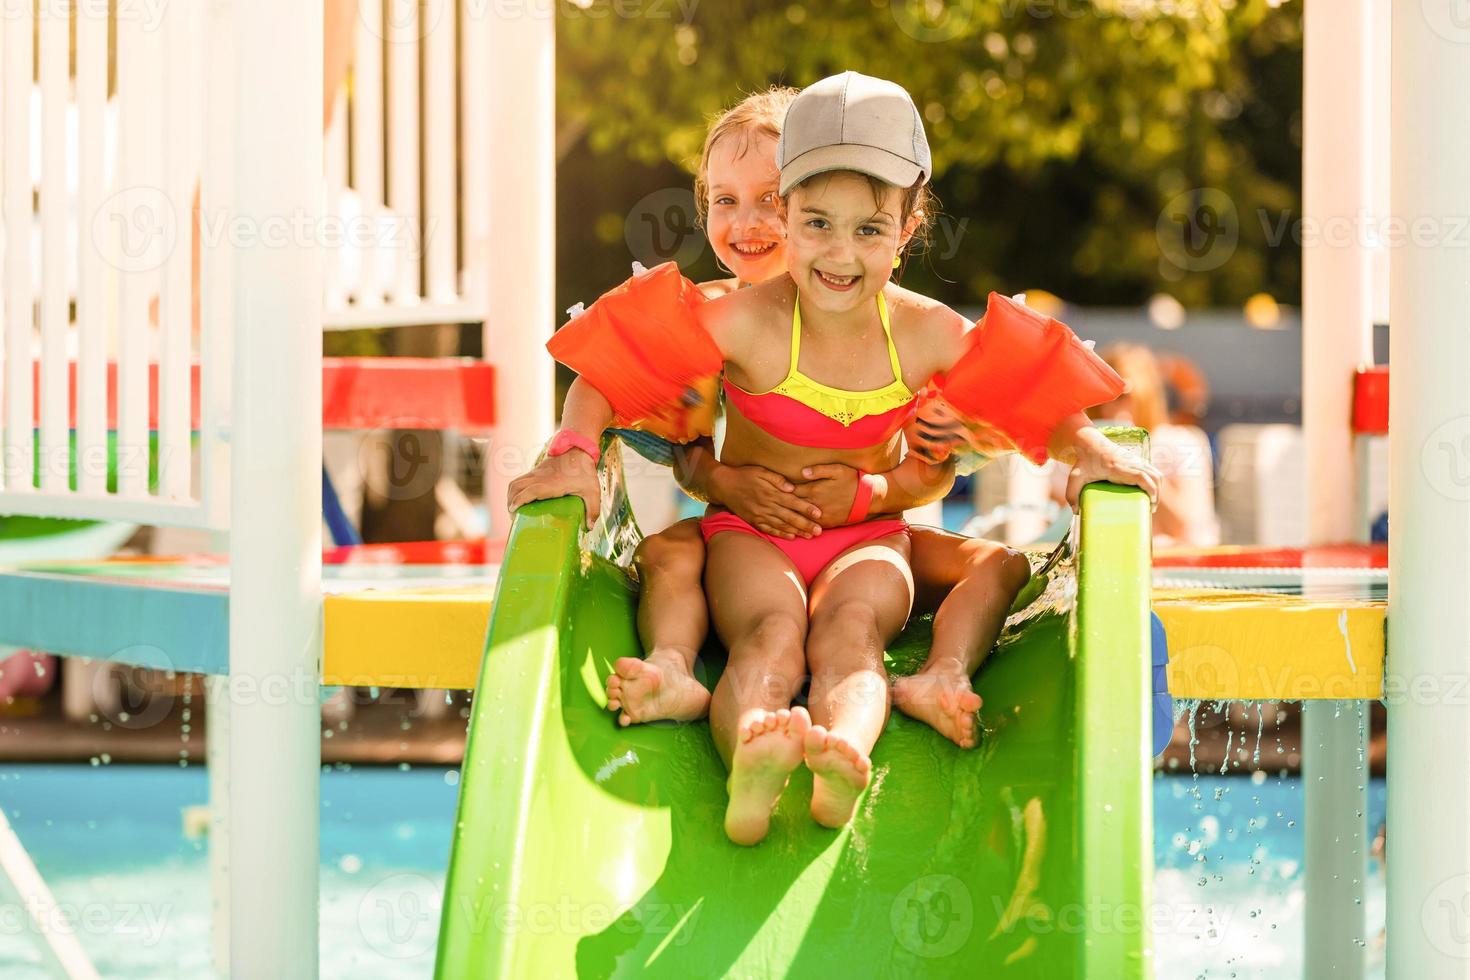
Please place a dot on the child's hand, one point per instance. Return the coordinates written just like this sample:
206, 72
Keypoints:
765, 499
1108, 462
832, 487
573, 473
935, 432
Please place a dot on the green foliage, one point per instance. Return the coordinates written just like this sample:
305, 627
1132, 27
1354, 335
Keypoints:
1061, 129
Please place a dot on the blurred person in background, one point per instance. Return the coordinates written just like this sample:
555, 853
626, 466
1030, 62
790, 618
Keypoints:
1186, 514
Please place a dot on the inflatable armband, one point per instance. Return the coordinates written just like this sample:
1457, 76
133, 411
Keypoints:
642, 347
1023, 373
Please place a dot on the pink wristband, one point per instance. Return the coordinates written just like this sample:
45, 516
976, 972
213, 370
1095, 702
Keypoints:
566, 440
867, 483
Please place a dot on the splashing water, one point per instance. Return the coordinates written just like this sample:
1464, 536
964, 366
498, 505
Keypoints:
1260, 726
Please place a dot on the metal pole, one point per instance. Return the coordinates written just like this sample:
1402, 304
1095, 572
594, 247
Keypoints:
1337, 338
217, 755
275, 512
521, 285
1429, 497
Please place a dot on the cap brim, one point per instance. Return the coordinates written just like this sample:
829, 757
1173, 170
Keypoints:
871, 160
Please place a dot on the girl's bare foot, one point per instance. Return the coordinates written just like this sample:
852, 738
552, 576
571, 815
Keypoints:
840, 773
943, 700
767, 749
659, 687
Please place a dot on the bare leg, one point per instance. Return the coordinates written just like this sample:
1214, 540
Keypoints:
759, 610
673, 621
982, 579
859, 603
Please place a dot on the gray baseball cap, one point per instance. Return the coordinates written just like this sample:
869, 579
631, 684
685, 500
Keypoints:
853, 122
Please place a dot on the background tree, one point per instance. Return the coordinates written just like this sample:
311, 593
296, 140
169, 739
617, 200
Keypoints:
1102, 150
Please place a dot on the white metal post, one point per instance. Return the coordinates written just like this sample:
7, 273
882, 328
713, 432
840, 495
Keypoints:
275, 512
217, 756
1429, 497
1337, 325
520, 294
16, 73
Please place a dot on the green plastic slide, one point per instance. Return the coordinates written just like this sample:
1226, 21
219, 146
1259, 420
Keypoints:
586, 850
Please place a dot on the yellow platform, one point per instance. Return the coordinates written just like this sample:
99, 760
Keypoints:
1226, 645
429, 637
1223, 645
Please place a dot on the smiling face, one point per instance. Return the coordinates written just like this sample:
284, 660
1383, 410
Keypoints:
841, 241
743, 223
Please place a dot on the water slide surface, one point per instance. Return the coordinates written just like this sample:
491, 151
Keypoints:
588, 850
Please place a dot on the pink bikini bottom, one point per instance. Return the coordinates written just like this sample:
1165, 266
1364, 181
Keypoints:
809, 555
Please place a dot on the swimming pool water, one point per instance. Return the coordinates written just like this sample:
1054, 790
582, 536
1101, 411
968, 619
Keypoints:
110, 842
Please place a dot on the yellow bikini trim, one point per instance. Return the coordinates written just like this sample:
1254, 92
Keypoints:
836, 403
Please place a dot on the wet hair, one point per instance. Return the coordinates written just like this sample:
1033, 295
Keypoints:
757, 113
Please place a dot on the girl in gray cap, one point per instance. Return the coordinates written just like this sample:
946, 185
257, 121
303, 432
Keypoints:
821, 366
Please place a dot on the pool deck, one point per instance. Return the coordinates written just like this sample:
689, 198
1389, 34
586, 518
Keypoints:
414, 616
38, 731
394, 615
405, 617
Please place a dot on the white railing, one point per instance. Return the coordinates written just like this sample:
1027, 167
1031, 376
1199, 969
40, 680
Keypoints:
408, 151
106, 376
108, 371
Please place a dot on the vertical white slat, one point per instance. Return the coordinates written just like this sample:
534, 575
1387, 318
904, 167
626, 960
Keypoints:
440, 152
55, 51
336, 174
367, 143
217, 755
1337, 338
92, 306
522, 266
474, 141
142, 223
4, 123
403, 148
18, 70
276, 446
181, 120
216, 269
1429, 499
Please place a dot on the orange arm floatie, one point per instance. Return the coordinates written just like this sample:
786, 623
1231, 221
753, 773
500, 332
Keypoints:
642, 347
1023, 373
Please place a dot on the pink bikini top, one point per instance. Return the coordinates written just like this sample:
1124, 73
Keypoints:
804, 412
